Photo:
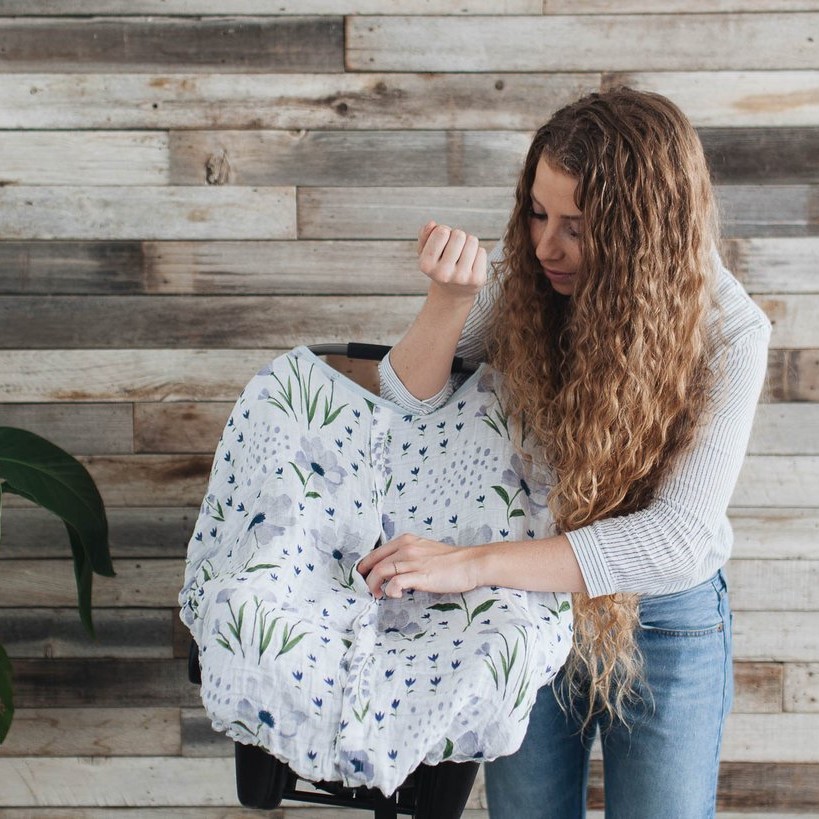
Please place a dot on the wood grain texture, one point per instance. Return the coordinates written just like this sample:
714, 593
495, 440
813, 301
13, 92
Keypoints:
53, 632
86, 429
775, 533
773, 585
758, 688
769, 786
73, 158
782, 429
132, 532
158, 322
672, 6
801, 684
773, 265
97, 732
769, 210
183, 426
345, 101
712, 42
778, 481
787, 738
733, 98
793, 375
103, 212
793, 319
167, 44
783, 636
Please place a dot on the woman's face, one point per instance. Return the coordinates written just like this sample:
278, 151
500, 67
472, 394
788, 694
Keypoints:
555, 224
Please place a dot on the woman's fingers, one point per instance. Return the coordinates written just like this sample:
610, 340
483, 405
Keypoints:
424, 233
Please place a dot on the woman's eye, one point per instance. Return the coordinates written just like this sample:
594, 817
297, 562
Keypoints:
533, 214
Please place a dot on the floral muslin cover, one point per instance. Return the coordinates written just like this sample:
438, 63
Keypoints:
297, 656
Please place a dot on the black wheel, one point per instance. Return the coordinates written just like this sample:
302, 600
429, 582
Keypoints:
261, 779
442, 790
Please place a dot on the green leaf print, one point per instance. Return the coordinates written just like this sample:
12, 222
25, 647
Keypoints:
485, 606
449, 747
504, 495
446, 607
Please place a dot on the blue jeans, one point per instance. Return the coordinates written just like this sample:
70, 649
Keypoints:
664, 763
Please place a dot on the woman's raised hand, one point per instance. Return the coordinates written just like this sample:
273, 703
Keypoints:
452, 259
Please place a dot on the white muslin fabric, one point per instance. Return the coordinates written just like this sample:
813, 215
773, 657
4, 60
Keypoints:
297, 656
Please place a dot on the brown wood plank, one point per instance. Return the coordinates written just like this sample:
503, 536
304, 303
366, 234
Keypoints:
497, 101
774, 265
86, 429
347, 158
758, 688
138, 584
102, 212
139, 44
784, 636
781, 156
801, 687
768, 785
117, 782
734, 98
133, 532
106, 732
708, 42
71, 267
179, 427
83, 158
103, 683
58, 633
200, 321
793, 375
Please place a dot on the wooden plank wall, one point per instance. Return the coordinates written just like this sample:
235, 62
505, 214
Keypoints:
188, 187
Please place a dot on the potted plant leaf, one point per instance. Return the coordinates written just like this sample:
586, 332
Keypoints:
36, 469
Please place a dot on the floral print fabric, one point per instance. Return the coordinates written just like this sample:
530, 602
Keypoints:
297, 656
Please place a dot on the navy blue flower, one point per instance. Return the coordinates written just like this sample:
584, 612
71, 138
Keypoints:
257, 519
267, 718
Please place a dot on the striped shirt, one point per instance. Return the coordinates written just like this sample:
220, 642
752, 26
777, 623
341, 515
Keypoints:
683, 535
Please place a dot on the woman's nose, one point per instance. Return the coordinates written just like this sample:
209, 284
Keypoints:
547, 248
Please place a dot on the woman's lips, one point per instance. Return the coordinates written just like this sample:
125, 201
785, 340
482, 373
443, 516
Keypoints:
557, 275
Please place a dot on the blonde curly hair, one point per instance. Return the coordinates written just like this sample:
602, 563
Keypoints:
612, 381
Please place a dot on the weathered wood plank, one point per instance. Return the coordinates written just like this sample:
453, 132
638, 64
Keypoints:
96, 158
117, 781
778, 480
348, 101
761, 155
793, 375
733, 98
758, 688
198, 737
108, 683
774, 265
142, 583
672, 6
71, 267
397, 213
787, 738
103, 212
139, 44
769, 785
290, 7
87, 429
179, 427
785, 429
783, 636
347, 158
793, 319
58, 633
219, 375
775, 534
215, 813
773, 585
801, 687
712, 42
200, 321
97, 732
132, 533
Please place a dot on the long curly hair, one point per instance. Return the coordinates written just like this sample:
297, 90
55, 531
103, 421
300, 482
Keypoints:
612, 381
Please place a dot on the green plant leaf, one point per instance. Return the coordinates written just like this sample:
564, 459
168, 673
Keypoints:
6, 695
47, 475
504, 495
446, 607
84, 576
517, 513
485, 606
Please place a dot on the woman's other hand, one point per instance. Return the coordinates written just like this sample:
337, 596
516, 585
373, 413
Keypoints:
412, 562
453, 260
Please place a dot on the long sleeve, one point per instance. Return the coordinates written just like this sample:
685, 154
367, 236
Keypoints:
471, 347
683, 535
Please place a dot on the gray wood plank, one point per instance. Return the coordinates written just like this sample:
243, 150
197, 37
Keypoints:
774, 265
773, 480
96, 732
167, 44
785, 429
57, 632
674, 6
87, 429
773, 585
71, 267
793, 319
707, 42
775, 533
200, 321
784, 636
769, 210
347, 101
801, 688
198, 737
103, 212
139, 532
179, 427
347, 158
83, 158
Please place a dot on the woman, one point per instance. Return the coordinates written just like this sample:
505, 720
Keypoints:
636, 361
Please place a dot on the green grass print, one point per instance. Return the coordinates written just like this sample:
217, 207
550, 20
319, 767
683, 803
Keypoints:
308, 401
